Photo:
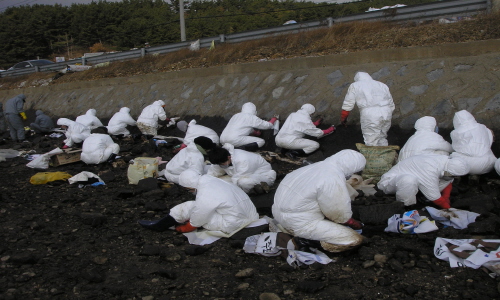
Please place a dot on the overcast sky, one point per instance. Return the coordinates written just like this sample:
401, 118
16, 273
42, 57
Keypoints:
8, 3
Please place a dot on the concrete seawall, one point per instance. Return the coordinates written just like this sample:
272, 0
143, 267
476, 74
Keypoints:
434, 80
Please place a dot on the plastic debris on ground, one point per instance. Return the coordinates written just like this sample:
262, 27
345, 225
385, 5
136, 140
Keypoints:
86, 179
42, 161
56, 135
46, 177
205, 237
8, 153
410, 223
472, 253
457, 218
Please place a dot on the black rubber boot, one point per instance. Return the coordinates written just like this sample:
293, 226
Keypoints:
111, 158
252, 147
159, 225
293, 154
305, 244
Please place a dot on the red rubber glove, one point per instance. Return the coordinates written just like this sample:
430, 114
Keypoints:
256, 133
273, 119
343, 117
444, 201
179, 149
354, 224
318, 122
65, 147
185, 228
329, 130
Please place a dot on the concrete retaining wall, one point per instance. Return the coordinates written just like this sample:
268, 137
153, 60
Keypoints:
435, 80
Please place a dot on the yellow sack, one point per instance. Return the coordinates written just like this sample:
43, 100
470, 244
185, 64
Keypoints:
379, 160
44, 177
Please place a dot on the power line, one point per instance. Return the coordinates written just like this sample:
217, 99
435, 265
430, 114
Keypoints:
25, 2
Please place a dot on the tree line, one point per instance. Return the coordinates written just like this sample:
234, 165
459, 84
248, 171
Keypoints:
42, 31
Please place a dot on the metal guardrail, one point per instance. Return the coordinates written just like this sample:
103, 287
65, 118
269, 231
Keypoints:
414, 13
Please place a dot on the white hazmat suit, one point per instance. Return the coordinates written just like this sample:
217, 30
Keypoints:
240, 126
425, 140
312, 202
421, 172
247, 170
219, 205
89, 119
188, 158
296, 126
119, 122
148, 119
97, 148
497, 166
194, 130
472, 142
76, 132
375, 105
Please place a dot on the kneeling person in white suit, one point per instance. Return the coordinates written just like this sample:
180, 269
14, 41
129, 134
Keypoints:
219, 205
313, 202
248, 170
98, 148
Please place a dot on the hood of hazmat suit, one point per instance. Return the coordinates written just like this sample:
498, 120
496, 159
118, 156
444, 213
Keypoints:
120, 121
296, 126
425, 140
97, 148
421, 172
242, 124
219, 205
308, 195
89, 119
188, 158
152, 113
194, 130
15, 105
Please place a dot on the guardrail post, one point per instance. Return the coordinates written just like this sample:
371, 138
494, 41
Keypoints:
222, 38
83, 61
37, 69
330, 21
143, 52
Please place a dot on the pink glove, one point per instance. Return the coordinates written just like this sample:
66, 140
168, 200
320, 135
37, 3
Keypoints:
185, 228
354, 224
65, 147
329, 130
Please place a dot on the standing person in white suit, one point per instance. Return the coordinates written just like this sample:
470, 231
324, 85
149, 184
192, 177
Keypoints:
118, 123
375, 105
472, 142
248, 170
242, 125
296, 126
219, 206
191, 157
313, 202
99, 147
89, 119
497, 166
148, 119
75, 132
193, 131
425, 140
430, 174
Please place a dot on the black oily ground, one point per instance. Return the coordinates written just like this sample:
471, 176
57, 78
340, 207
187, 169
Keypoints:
64, 242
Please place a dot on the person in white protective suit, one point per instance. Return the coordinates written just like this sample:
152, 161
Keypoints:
297, 125
472, 142
249, 171
428, 173
98, 148
119, 121
425, 140
219, 206
375, 105
191, 157
148, 119
89, 119
242, 129
75, 132
193, 131
313, 202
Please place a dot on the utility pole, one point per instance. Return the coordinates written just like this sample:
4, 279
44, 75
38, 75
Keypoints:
183, 25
